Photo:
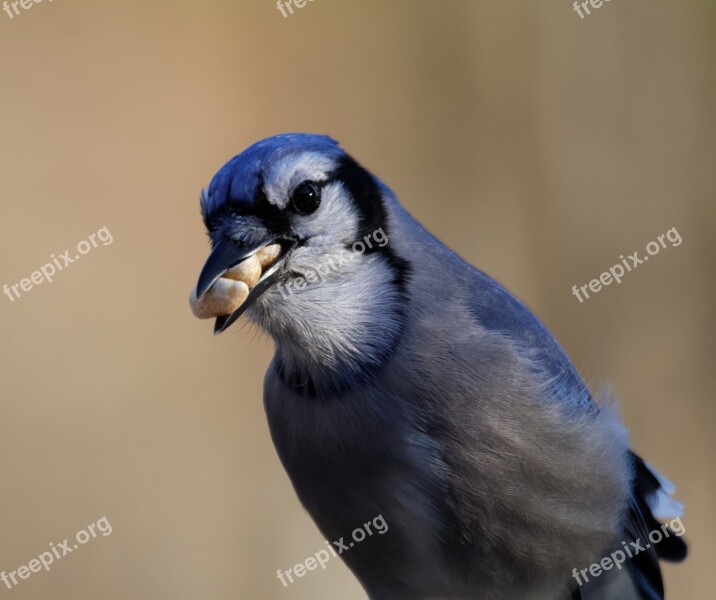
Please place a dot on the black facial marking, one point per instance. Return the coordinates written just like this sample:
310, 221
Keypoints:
372, 214
276, 220
365, 194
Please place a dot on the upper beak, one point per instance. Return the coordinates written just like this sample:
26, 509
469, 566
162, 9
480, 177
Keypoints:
225, 255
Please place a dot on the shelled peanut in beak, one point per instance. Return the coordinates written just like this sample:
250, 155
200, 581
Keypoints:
230, 291
249, 271
267, 255
221, 299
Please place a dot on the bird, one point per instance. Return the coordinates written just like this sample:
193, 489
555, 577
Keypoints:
407, 383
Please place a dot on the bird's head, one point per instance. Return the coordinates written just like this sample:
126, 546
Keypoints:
336, 273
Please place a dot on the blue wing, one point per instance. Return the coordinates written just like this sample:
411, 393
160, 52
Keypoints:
498, 310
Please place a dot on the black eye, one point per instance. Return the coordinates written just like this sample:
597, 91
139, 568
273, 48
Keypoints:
306, 198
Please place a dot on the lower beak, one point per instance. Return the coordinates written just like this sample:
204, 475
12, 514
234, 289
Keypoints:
227, 255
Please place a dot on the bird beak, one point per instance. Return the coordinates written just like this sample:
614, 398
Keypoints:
226, 255
223, 257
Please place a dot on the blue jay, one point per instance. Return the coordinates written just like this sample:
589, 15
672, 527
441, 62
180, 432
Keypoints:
408, 384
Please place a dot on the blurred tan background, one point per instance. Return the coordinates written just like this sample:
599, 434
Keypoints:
538, 145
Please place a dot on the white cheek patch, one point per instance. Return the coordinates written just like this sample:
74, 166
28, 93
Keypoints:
336, 219
326, 245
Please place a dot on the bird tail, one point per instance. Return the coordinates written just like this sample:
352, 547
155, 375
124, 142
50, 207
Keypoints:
645, 541
651, 540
